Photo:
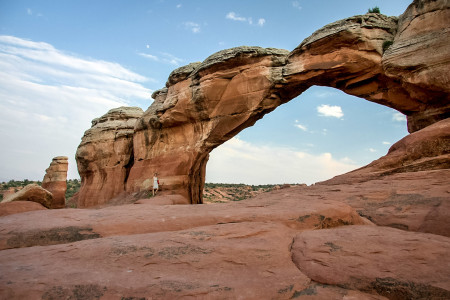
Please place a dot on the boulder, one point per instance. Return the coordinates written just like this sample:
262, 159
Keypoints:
55, 180
105, 156
390, 262
34, 193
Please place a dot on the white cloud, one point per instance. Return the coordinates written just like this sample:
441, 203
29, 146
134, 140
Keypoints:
386, 143
179, 5
164, 58
324, 94
233, 16
372, 150
398, 117
296, 5
300, 126
149, 56
194, 27
48, 99
171, 59
147, 46
237, 161
330, 111
29, 11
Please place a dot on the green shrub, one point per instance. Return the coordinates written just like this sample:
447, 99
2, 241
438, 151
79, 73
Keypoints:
376, 10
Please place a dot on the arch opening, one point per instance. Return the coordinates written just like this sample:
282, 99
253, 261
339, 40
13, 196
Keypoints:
319, 134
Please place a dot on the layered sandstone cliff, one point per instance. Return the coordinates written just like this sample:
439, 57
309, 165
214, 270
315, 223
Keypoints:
105, 156
205, 104
55, 180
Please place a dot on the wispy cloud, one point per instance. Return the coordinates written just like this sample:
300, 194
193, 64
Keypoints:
330, 111
398, 117
372, 150
235, 17
300, 126
386, 143
163, 57
296, 5
192, 26
49, 98
149, 56
179, 5
171, 59
30, 12
324, 94
238, 161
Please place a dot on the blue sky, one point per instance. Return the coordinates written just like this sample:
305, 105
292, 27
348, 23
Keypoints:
63, 63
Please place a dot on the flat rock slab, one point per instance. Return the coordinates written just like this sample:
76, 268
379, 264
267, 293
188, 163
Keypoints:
16, 207
414, 201
70, 225
391, 262
226, 261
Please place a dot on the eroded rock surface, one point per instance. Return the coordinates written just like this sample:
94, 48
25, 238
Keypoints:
15, 207
76, 224
55, 180
419, 58
240, 249
394, 263
206, 103
105, 156
426, 149
33, 193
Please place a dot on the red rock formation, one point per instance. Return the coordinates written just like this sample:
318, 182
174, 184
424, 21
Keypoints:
420, 59
205, 104
16, 207
426, 149
55, 180
226, 93
237, 249
105, 156
391, 262
34, 193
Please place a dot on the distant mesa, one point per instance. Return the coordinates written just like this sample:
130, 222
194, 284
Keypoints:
387, 60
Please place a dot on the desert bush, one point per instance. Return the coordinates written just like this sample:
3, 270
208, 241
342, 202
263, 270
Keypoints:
375, 9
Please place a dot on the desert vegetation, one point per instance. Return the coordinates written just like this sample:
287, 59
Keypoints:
226, 192
375, 9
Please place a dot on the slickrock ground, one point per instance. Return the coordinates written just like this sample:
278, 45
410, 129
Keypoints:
15, 207
297, 242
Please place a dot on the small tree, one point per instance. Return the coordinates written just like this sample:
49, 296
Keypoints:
376, 10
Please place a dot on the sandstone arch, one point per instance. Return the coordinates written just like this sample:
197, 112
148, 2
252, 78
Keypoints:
205, 104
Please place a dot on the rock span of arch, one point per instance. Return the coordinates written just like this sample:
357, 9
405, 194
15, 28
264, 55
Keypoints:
400, 62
